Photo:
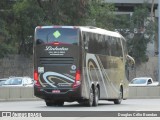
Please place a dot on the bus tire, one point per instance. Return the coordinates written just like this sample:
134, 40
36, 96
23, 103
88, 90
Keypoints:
89, 102
54, 103
60, 103
96, 97
119, 100
49, 103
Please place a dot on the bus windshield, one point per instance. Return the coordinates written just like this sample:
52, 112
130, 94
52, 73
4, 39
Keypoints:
61, 35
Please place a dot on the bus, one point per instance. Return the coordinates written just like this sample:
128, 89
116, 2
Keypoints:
80, 63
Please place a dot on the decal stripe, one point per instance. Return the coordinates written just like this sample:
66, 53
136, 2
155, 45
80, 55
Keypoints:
107, 77
92, 56
41, 81
54, 75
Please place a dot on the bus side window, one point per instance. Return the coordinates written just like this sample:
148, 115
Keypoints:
118, 47
85, 41
106, 44
90, 43
113, 46
109, 45
103, 45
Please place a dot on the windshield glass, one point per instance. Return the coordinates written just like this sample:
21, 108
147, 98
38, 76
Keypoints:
61, 35
13, 81
138, 81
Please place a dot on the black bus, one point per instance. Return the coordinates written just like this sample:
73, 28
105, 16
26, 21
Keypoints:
79, 63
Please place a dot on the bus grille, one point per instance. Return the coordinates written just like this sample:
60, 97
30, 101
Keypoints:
56, 60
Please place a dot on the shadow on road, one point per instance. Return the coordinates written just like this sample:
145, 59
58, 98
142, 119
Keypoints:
75, 104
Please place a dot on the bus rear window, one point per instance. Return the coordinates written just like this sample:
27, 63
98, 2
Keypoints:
61, 35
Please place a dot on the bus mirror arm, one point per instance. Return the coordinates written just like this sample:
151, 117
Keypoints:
130, 61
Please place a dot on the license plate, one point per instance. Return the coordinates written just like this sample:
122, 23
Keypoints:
56, 91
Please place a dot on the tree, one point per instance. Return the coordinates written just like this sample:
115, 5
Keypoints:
5, 38
64, 12
101, 14
143, 24
139, 33
22, 16
27, 15
30, 13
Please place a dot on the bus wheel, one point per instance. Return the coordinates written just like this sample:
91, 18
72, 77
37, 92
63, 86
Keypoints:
49, 103
89, 102
119, 100
96, 97
60, 103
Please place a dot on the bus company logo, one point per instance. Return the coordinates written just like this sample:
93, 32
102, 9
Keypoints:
50, 48
21, 114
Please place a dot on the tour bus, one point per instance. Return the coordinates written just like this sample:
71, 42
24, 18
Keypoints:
80, 63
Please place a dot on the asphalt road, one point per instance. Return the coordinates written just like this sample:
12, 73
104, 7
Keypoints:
127, 105
105, 110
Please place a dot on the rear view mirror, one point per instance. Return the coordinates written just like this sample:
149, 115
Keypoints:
130, 61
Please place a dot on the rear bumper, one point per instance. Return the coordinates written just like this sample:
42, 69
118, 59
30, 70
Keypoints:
68, 94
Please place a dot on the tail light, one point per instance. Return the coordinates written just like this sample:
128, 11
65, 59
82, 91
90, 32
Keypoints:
35, 75
36, 78
77, 79
78, 75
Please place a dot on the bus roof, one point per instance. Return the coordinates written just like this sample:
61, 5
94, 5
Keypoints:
87, 29
100, 31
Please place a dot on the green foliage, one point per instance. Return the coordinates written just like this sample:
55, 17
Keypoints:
121, 21
145, 29
19, 19
64, 12
27, 15
3, 32
140, 32
5, 44
5, 50
137, 48
101, 14
22, 16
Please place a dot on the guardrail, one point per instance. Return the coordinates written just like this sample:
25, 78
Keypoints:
27, 93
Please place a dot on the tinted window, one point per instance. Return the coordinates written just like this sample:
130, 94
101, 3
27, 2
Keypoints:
102, 44
116, 47
96, 44
62, 35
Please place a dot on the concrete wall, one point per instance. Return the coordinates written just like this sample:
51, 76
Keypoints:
144, 92
16, 93
27, 93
